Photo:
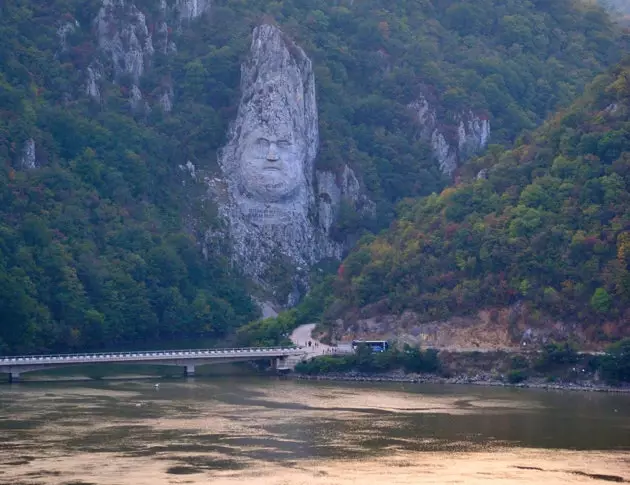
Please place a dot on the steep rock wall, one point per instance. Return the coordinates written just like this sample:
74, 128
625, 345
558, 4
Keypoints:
471, 134
188, 10
28, 160
126, 45
336, 188
278, 213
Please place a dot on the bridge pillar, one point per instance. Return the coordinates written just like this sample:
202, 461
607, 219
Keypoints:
274, 363
281, 364
14, 376
190, 370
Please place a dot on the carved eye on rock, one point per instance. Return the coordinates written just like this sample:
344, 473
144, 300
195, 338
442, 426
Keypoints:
261, 145
283, 144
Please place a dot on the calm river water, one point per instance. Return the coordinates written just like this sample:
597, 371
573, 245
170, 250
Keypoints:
265, 431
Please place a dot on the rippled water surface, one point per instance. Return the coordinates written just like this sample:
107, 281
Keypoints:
266, 431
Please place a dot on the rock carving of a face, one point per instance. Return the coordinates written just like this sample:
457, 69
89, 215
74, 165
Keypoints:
273, 143
271, 162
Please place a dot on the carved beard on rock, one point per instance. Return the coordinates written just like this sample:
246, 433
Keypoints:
271, 164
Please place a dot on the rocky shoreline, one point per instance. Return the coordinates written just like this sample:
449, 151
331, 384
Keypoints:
478, 380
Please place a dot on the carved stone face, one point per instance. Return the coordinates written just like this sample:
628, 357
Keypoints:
271, 151
271, 162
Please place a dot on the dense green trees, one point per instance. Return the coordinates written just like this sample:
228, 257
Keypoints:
549, 224
411, 360
80, 270
93, 249
615, 365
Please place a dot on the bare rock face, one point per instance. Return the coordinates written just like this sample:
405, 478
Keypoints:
335, 188
267, 196
64, 31
126, 44
124, 36
92, 88
471, 136
28, 160
191, 9
473, 133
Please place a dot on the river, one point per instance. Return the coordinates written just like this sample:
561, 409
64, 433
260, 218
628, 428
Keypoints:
267, 431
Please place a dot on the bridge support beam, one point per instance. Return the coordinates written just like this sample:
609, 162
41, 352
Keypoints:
281, 364
14, 376
190, 370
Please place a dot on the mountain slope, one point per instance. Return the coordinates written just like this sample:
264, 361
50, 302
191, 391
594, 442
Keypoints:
100, 225
93, 247
547, 223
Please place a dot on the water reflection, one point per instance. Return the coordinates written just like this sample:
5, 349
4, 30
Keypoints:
275, 431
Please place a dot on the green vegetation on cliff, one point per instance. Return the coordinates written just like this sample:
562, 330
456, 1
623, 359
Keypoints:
411, 360
548, 224
99, 244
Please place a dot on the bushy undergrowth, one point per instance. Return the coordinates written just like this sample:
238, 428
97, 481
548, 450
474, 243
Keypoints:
615, 364
556, 362
411, 360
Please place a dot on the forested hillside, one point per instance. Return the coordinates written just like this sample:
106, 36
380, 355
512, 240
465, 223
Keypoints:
93, 247
99, 226
547, 223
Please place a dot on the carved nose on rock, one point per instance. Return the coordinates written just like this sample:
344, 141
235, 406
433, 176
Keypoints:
272, 154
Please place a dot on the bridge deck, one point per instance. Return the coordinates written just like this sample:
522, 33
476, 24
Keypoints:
154, 355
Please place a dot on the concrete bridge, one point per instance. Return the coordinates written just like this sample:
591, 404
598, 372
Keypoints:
282, 358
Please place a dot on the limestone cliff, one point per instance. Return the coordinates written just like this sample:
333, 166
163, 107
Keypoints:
335, 188
451, 143
188, 10
28, 160
126, 44
278, 212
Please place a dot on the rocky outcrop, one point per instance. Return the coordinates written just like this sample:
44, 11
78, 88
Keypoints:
64, 30
333, 190
166, 99
277, 211
473, 133
92, 84
188, 10
482, 174
451, 143
123, 36
126, 45
28, 160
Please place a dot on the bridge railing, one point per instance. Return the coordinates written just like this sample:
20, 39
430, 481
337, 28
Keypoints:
146, 353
